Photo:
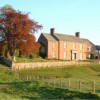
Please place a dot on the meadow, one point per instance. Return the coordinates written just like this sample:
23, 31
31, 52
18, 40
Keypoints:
42, 83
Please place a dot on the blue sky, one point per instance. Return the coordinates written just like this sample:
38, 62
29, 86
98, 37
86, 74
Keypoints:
66, 16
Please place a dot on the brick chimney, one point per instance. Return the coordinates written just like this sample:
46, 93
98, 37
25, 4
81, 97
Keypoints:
52, 31
77, 34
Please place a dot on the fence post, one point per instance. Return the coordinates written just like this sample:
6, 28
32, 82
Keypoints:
37, 78
61, 83
27, 77
30, 77
54, 82
48, 81
34, 78
94, 86
18, 76
69, 82
79, 85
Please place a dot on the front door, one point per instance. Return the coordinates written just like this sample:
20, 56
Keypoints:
73, 56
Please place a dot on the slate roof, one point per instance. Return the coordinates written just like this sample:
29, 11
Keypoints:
64, 37
49, 37
97, 47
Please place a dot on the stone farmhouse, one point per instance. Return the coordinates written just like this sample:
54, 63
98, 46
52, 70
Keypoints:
65, 47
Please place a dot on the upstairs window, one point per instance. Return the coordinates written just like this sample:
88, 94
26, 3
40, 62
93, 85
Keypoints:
65, 45
96, 51
74, 46
81, 46
89, 49
53, 45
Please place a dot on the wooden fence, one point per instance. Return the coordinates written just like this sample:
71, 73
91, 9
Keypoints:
90, 86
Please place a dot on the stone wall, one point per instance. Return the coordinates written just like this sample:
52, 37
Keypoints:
19, 66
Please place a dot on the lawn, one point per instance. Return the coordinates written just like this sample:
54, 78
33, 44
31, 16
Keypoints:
38, 88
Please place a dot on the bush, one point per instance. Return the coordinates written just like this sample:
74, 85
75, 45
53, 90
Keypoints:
92, 56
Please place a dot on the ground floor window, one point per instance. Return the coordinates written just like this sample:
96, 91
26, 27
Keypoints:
80, 56
65, 54
89, 55
53, 54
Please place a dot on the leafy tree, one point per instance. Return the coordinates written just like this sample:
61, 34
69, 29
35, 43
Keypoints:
17, 31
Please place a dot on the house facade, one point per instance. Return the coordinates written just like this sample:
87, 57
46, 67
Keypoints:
66, 47
97, 51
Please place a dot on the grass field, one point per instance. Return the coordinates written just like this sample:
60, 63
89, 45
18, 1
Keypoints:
87, 74
37, 88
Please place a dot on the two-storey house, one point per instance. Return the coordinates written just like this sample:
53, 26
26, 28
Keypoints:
66, 47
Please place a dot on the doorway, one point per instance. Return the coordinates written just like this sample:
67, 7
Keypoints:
74, 56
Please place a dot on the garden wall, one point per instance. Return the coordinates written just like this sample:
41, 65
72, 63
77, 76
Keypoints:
19, 66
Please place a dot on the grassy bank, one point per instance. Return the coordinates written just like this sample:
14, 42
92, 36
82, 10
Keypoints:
40, 90
13, 88
87, 74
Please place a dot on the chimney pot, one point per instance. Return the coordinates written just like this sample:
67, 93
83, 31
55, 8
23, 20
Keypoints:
77, 34
52, 31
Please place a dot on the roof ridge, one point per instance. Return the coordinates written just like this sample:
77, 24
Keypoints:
72, 36
66, 37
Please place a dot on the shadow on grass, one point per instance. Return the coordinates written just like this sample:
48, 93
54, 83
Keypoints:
5, 62
39, 90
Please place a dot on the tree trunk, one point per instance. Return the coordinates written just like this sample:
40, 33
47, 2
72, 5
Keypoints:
14, 58
8, 54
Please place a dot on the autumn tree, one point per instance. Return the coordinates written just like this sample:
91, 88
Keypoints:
17, 31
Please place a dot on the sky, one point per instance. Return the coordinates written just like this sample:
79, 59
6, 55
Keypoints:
66, 16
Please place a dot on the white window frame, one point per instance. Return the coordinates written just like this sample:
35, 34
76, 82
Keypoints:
89, 55
81, 46
65, 54
53, 54
89, 48
74, 45
53, 45
65, 45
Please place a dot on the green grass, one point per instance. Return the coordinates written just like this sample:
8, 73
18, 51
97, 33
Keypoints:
86, 73
5, 96
13, 88
45, 72
26, 59
40, 90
